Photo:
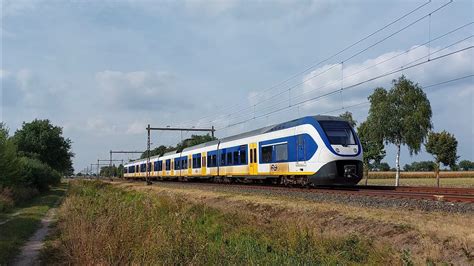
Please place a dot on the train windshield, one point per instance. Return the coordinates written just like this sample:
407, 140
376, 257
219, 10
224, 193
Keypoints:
338, 132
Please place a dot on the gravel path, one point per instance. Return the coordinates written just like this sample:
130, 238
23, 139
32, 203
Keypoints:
30, 251
356, 200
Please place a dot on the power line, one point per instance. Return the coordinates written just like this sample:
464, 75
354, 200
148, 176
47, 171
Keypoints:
357, 84
345, 60
330, 57
339, 90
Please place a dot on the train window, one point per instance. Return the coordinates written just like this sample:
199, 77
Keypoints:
209, 161
251, 155
281, 152
338, 132
214, 160
255, 155
198, 161
160, 166
267, 154
222, 159
194, 162
229, 158
236, 157
168, 164
243, 157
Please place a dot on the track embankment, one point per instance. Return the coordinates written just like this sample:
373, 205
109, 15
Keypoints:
426, 233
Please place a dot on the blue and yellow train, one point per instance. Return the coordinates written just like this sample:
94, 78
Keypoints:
313, 150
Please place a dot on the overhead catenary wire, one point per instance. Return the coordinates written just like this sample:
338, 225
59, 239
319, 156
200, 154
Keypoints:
345, 60
317, 63
357, 84
401, 68
425, 87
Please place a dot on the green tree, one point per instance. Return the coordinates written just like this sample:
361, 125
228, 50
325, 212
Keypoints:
466, 165
194, 140
402, 116
423, 166
158, 151
374, 150
381, 166
9, 161
443, 146
41, 140
348, 117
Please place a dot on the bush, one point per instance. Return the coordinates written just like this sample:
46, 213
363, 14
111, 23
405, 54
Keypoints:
37, 174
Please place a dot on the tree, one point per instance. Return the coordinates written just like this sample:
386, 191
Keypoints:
443, 147
423, 166
348, 117
466, 165
158, 151
41, 140
381, 166
8, 159
371, 145
194, 140
402, 116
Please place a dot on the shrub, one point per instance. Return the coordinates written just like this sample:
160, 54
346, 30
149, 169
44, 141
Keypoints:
37, 174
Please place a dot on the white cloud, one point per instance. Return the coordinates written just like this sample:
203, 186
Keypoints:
139, 89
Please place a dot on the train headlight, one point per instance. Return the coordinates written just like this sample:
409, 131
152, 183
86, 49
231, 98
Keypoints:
355, 150
337, 149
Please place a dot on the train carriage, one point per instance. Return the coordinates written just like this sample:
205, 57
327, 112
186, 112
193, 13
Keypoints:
313, 150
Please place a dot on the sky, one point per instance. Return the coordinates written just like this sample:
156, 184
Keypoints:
103, 70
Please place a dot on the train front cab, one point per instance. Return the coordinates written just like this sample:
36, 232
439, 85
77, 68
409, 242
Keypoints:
342, 158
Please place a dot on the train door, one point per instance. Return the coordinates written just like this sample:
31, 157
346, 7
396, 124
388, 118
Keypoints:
172, 167
300, 150
253, 165
203, 163
190, 165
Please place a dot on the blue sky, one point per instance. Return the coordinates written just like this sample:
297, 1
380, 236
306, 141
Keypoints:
105, 69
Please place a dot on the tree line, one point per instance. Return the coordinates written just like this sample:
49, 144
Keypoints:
35, 157
402, 116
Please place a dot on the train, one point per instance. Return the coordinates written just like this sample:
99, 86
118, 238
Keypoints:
308, 151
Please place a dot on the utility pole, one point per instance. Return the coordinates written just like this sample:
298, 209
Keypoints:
147, 177
148, 144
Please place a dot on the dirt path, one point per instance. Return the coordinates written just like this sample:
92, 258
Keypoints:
30, 251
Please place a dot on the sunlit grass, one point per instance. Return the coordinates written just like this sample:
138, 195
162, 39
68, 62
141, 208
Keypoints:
102, 224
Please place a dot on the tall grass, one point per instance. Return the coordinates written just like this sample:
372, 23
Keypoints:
101, 224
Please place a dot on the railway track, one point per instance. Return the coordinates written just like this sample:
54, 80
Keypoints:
465, 195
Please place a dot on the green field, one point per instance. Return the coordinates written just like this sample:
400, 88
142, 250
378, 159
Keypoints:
23, 221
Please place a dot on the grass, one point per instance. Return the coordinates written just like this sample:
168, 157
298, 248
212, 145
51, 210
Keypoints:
102, 224
444, 182
24, 220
